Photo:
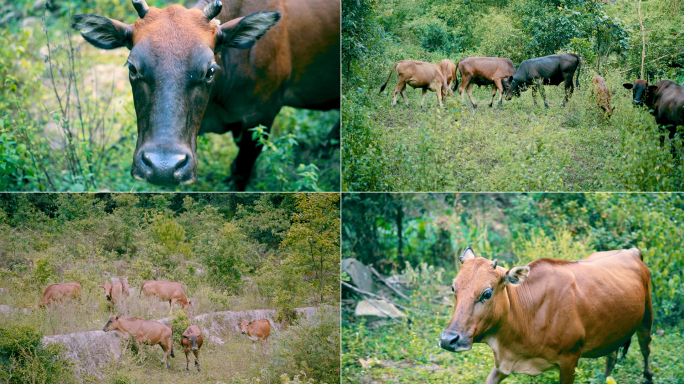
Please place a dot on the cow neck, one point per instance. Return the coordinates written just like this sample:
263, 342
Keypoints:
519, 311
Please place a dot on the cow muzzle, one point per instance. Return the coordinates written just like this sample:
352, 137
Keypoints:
109, 298
638, 103
454, 342
244, 332
162, 164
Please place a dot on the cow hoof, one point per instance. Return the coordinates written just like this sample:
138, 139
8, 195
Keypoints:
187, 372
490, 105
474, 106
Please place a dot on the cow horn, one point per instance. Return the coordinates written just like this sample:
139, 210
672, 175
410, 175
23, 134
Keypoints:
494, 263
140, 7
213, 9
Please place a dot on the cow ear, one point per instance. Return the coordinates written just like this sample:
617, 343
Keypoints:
467, 255
117, 316
243, 32
517, 275
628, 85
510, 79
652, 88
102, 32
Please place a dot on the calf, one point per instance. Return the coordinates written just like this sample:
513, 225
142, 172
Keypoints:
665, 98
600, 91
449, 72
549, 313
167, 291
418, 74
144, 331
116, 295
192, 340
256, 330
547, 70
484, 71
58, 292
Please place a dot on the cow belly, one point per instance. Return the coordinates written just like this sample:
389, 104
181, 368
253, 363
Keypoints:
507, 362
481, 81
253, 338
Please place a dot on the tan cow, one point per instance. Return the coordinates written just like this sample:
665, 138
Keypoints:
600, 91
116, 295
192, 340
257, 330
484, 71
58, 292
167, 291
144, 331
418, 74
449, 72
549, 313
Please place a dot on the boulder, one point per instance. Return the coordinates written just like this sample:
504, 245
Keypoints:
366, 309
359, 274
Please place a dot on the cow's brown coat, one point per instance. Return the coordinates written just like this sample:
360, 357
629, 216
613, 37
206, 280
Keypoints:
600, 91
167, 291
192, 341
257, 330
58, 292
418, 74
449, 72
144, 331
116, 294
484, 71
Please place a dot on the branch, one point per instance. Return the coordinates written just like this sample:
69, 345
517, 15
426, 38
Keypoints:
373, 295
661, 57
388, 284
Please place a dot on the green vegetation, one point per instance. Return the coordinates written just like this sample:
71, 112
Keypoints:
419, 236
516, 147
222, 247
67, 121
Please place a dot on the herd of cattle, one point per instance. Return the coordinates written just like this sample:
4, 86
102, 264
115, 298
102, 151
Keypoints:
665, 98
149, 331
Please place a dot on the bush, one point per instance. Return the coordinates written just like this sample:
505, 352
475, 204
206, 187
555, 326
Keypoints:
311, 347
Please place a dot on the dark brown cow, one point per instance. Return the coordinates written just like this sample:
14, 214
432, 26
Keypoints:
484, 71
665, 98
167, 291
417, 74
449, 72
58, 292
192, 340
144, 331
116, 294
257, 330
600, 91
549, 313
190, 75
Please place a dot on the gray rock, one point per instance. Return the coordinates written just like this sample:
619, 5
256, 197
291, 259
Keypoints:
30, 22
359, 274
365, 309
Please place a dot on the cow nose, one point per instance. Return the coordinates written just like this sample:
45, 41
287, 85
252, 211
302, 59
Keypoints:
243, 332
165, 165
194, 348
449, 341
636, 102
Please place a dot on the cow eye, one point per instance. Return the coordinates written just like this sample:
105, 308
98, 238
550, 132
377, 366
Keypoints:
132, 69
452, 288
210, 73
486, 295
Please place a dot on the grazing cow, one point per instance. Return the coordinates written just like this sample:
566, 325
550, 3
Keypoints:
116, 295
449, 72
417, 74
167, 291
665, 98
547, 70
549, 313
216, 68
192, 340
600, 91
257, 330
484, 71
143, 331
58, 292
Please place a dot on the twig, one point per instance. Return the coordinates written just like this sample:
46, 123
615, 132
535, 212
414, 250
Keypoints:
373, 295
661, 57
388, 284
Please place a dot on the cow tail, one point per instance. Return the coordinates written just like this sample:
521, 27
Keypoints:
579, 66
141, 288
458, 71
624, 348
172, 355
388, 78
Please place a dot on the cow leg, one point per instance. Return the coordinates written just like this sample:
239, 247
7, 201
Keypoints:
495, 376
423, 100
439, 95
534, 95
197, 364
567, 368
470, 94
541, 91
249, 151
491, 100
499, 86
172, 303
644, 336
398, 89
187, 363
611, 359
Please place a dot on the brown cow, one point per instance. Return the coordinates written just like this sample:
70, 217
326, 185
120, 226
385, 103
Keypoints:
600, 91
116, 295
191, 75
144, 331
449, 72
257, 330
58, 292
167, 291
484, 71
192, 340
665, 98
417, 74
549, 313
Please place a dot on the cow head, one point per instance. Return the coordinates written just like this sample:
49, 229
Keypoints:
243, 326
172, 68
481, 300
642, 93
512, 87
112, 324
191, 337
107, 291
187, 307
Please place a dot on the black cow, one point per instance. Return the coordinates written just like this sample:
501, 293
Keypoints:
547, 70
665, 98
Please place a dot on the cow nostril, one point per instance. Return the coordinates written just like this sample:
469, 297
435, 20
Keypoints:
181, 164
454, 341
146, 160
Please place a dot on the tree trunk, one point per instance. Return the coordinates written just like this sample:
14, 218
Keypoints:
400, 242
643, 40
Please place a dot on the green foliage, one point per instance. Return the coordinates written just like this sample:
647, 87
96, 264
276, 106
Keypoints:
224, 256
179, 324
311, 348
171, 235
